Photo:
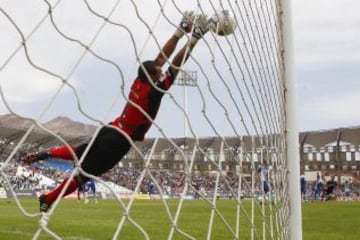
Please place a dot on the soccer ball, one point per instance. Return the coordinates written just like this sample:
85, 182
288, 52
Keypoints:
222, 23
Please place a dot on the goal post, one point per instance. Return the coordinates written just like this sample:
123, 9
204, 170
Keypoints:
291, 126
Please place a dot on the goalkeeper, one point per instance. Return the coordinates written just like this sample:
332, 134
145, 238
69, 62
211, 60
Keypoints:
110, 145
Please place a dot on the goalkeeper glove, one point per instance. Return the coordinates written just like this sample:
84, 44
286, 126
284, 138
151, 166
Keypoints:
36, 156
185, 24
201, 27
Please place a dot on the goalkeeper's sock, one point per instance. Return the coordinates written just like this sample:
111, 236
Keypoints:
62, 153
52, 196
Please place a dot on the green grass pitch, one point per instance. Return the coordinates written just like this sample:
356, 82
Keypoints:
75, 220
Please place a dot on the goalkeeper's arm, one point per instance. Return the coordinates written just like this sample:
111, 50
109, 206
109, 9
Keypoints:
185, 26
200, 29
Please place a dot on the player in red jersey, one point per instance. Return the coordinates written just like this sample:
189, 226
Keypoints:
110, 145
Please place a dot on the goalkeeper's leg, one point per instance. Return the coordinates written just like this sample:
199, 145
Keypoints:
47, 200
107, 150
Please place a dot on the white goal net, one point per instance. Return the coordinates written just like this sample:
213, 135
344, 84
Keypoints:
224, 133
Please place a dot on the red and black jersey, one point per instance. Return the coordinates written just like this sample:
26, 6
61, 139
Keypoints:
146, 97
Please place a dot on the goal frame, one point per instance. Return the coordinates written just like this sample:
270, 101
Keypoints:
291, 129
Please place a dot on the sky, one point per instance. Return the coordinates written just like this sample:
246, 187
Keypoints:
326, 44
327, 48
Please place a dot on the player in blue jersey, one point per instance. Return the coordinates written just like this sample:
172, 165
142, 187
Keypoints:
151, 188
303, 187
263, 170
91, 190
318, 187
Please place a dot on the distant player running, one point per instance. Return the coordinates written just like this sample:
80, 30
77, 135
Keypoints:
110, 146
330, 188
263, 170
90, 190
318, 187
81, 191
303, 187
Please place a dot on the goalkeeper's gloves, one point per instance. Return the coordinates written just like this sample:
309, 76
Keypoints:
185, 24
36, 156
201, 27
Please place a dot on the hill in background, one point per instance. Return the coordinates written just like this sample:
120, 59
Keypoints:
59, 124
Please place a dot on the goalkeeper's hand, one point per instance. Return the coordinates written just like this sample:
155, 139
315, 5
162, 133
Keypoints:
201, 27
185, 24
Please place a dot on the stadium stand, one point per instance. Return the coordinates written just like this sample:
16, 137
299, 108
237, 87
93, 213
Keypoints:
331, 152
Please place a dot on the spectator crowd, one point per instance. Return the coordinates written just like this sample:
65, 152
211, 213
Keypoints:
24, 177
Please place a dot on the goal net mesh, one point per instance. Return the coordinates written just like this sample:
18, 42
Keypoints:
220, 130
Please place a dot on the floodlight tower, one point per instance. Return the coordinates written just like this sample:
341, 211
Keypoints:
186, 79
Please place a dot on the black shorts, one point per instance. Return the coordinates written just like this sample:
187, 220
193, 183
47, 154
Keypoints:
81, 188
109, 148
